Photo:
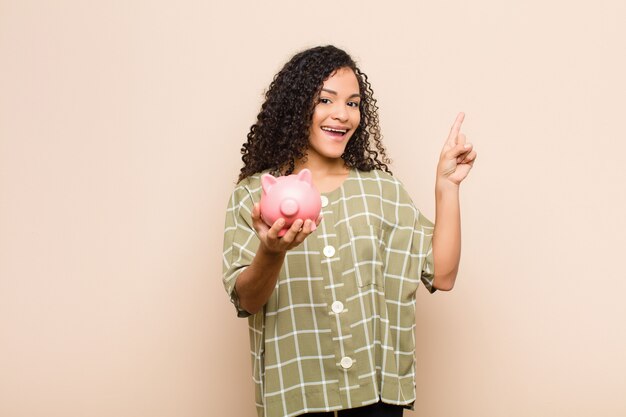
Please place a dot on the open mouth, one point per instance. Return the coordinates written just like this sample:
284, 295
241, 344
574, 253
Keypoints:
335, 133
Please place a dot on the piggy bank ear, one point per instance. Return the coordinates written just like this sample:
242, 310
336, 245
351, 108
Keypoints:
305, 175
267, 180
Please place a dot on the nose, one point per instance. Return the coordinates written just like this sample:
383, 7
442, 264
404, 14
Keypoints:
340, 112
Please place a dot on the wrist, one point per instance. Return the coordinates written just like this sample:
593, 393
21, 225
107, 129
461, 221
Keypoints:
445, 186
270, 254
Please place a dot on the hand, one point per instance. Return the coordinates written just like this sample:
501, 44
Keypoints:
268, 236
457, 157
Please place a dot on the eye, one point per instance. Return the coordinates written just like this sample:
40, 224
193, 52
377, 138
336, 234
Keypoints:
354, 104
324, 100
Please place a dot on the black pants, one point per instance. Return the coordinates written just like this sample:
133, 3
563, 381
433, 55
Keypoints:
379, 409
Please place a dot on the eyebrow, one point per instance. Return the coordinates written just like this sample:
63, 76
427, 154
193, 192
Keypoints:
335, 93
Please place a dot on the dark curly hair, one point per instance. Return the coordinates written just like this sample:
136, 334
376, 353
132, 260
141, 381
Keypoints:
280, 135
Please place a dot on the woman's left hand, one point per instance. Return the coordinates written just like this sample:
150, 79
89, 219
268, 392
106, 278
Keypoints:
457, 156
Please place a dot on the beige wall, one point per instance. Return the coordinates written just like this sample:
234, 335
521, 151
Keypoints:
120, 129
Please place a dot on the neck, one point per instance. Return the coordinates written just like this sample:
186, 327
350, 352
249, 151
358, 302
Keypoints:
326, 178
322, 166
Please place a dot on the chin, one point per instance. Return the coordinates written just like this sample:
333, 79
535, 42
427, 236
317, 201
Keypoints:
327, 149
333, 154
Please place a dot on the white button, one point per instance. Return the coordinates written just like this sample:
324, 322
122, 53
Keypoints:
329, 251
337, 307
346, 362
324, 201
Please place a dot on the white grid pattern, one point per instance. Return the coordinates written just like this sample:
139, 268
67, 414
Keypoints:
382, 251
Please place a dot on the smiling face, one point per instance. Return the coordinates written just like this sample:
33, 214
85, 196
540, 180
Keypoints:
335, 118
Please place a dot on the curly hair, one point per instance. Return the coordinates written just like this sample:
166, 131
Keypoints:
280, 135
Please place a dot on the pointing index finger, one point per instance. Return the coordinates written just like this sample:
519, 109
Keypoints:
456, 128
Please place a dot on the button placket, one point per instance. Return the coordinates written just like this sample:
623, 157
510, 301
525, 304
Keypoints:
336, 291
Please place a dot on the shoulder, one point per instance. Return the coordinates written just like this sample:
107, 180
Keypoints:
377, 175
390, 187
250, 185
246, 191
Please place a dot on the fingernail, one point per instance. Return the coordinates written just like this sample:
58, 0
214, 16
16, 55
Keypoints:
313, 227
467, 145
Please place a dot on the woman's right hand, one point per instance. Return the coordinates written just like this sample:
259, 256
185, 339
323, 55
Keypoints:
268, 236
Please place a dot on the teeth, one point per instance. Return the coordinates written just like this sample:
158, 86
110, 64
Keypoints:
334, 130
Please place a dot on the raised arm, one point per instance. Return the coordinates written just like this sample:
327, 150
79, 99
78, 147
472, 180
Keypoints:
456, 160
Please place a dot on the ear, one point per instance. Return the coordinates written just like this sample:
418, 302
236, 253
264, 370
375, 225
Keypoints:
305, 175
267, 181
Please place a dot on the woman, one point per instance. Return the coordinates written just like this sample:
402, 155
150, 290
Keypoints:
331, 304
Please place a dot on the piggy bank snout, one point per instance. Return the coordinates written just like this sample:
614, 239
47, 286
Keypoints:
289, 207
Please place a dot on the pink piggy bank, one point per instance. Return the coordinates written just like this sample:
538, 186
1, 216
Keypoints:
291, 197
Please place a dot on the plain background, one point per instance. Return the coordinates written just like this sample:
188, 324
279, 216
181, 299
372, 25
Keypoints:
120, 129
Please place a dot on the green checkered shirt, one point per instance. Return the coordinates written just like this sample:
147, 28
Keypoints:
338, 330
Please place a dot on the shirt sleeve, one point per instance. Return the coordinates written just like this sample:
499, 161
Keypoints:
240, 242
423, 244
418, 237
